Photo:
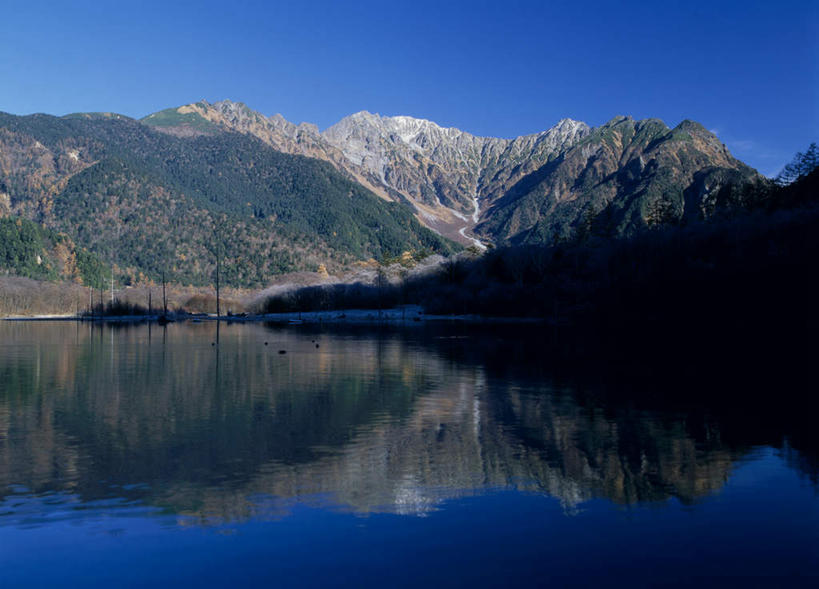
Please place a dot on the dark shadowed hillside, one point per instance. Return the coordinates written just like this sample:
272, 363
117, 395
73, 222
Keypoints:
744, 268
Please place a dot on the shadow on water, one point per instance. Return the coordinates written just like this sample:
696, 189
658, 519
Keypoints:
386, 418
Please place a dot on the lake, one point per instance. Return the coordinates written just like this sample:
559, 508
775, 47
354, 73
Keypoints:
401, 456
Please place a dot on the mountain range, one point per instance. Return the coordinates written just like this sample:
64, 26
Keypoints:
638, 172
170, 192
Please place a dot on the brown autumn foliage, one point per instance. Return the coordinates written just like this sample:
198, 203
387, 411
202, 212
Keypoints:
25, 297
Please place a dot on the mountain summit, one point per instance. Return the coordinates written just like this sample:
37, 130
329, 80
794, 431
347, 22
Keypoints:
446, 174
146, 195
476, 189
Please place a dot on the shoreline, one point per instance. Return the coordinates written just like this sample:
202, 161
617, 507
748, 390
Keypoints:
409, 315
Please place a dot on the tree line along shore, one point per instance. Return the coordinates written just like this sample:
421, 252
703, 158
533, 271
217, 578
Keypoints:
754, 261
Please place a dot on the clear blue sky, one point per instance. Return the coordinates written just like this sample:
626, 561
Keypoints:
747, 69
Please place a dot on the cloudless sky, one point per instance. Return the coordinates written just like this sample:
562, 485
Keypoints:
748, 70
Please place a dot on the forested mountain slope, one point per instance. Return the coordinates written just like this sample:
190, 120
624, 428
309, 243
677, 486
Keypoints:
150, 202
29, 249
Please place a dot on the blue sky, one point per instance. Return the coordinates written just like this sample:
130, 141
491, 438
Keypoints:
748, 70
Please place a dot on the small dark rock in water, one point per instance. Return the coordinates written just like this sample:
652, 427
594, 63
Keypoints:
265, 343
317, 345
282, 351
213, 343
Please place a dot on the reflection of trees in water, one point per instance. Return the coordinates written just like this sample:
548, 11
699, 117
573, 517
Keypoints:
391, 423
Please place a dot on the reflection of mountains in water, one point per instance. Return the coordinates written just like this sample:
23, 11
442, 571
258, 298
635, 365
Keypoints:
392, 422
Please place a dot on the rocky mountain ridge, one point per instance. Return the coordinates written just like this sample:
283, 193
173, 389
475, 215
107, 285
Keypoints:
624, 177
297, 198
464, 186
446, 174
445, 171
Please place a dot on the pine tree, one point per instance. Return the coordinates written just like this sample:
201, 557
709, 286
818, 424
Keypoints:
801, 165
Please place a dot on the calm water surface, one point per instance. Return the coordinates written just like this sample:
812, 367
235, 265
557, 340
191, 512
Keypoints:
132, 456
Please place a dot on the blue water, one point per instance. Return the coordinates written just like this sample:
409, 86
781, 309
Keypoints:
397, 459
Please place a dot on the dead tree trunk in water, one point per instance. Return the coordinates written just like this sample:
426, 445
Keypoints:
164, 297
218, 268
218, 223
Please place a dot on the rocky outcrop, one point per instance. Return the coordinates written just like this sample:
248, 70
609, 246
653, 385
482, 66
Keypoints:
445, 172
621, 177
282, 135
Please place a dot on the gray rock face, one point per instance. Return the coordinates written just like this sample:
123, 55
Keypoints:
522, 189
448, 175
445, 167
